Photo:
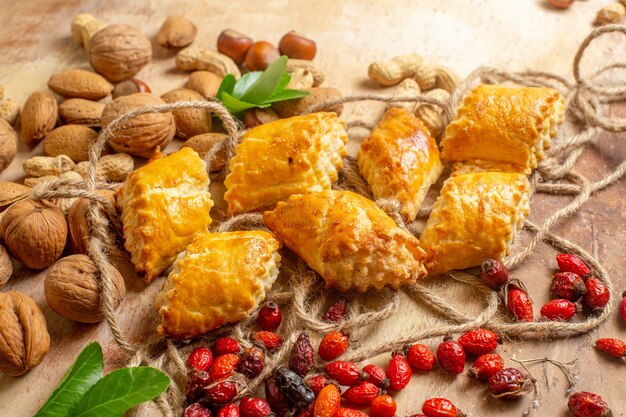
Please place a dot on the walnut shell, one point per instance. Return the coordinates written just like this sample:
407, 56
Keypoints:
189, 122
24, 338
8, 144
139, 136
119, 51
34, 232
73, 289
10, 192
6, 266
78, 225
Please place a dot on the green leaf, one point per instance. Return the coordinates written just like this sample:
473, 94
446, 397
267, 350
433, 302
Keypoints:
236, 106
282, 83
121, 390
227, 85
244, 83
264, 87
286, 95
84, 373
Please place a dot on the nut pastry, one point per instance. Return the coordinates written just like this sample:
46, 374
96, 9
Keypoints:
164, 204
221, 278
506, 127
400, 159
475, 217
298, 155
348, 240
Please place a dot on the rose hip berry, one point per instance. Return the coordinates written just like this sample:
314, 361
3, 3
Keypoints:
451, 356
302, 355
200, 358
269, 316
622, 308
225, 345
509, 383
612, 347
479, 342
420, 357
224, 366
229, 410
254, 407
486, 366
196, 410
398, 371
383, 406
270, 340
294, 388
222, 392
568, 285
493, 273
518, 303
376, 375
252, 362
327, 402
362, 394
333, 345
197, 382
349, 412
337, 311
306, 411
597, 294
440, 407
559, 309
345, 373
586, 404
572, 263
275, 396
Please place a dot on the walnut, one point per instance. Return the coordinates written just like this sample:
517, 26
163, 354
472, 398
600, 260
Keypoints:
6, 266
34, 232
78, 225
24, 338
73, 289
8, 144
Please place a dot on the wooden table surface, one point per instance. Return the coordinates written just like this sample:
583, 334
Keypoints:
35, 42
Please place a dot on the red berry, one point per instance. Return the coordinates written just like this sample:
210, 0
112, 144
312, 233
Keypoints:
418, 415
224, 366
398, 371
229, 410
318, 382
254, 407
252, 362
270, 316
558, 309
348, 412
361, 394
622, 309
376, 375
451, 356
196, 410
383, 406
345, 373
276, 397
306, 411
597, 294
302, 356
337, 311
519, 304
421, 357
333, 345
493, 273
487, 365
327, 402
197, 382
586, 404
613, 347
270, 340
568, 285
225, 345
200, 358
572, 263
222, 392
508, 383
440, 407
479, 342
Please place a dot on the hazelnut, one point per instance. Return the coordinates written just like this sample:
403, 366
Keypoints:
234, 45
257, 117
130, 86
261, 55
296, 46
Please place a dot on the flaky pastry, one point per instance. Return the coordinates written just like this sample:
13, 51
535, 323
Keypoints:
297, 155
348, 240
221, 278
400, 160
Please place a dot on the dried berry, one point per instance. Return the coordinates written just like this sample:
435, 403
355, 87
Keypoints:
612, 347
196, 410
318, 382
568, 285
333, 345
349, 412
622, 308
586, 404
327, 402
294, 388
337, 311
345, 373
451, 356
302, 355
597, 294
361, 394
197, 382
558, 309
269, 340
479, 342
518, 303
440, 407
200, 358
421, 357
486, 366
493, 273
270, 316
254, 407
229, 410
224, 366
509, 383
383, 406
572, 263
398, 371
252, 362
418, 415
222, 392
376, 375
306, 411
225, 345
275, 397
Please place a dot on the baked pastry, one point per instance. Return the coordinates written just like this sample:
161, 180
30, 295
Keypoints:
400, 160
475, 217
164, 204
504, 125
348, 240
221, 278
298, 155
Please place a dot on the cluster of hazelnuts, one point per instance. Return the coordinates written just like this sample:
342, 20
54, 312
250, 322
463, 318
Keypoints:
256, 56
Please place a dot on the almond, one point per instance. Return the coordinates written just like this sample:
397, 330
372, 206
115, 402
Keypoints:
71, 140
204, 143
299, 106
11, 192
78, 111
189, 122
39, 116
8, 144
176, 32
78, 83
204, 82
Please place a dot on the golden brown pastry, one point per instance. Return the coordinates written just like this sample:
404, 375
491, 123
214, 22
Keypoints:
164, 204
511, 126
348, 240
297, 155
221, 278
400, 160
475, 217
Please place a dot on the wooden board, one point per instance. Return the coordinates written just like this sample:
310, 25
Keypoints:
35, 42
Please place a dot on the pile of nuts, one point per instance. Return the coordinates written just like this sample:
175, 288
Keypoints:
612, 13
